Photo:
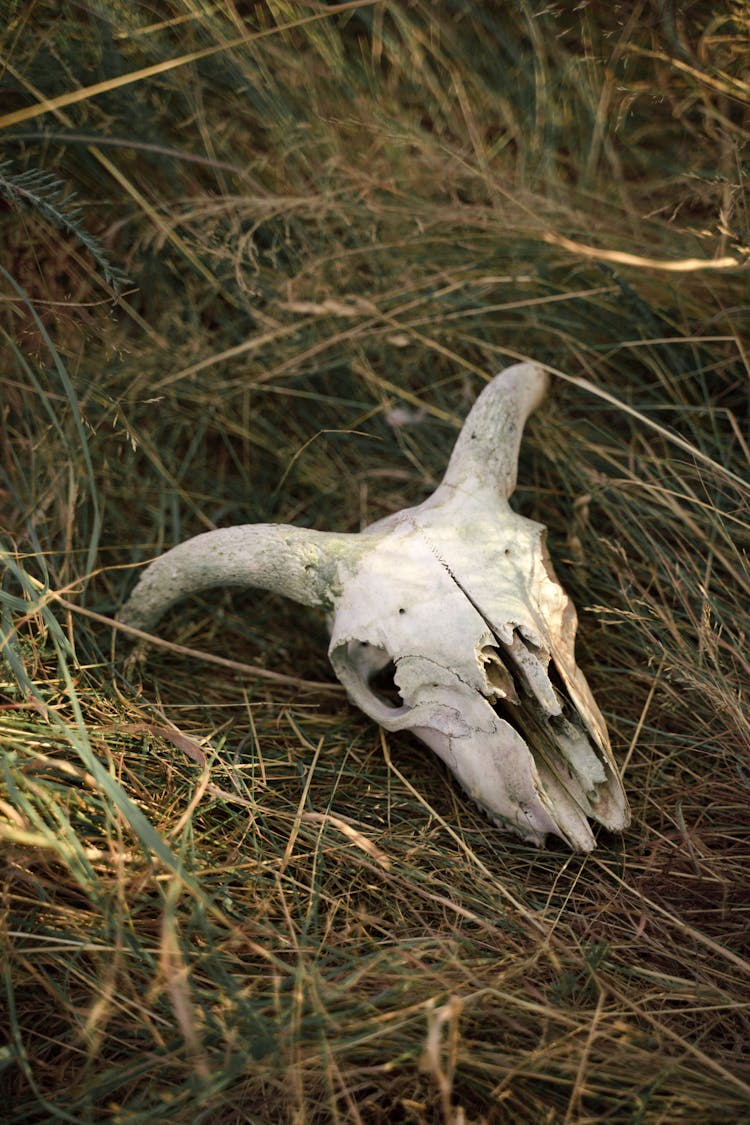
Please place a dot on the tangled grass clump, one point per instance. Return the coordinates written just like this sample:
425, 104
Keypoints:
226, 896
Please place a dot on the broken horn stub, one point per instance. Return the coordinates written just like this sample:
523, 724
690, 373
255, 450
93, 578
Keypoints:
447, 620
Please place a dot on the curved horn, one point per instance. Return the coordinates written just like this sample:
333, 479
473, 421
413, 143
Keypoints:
486, 451
295, 561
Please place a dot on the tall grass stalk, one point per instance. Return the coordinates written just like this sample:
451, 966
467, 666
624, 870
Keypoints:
226, 896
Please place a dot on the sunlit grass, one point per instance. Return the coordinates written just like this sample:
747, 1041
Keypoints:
227, 897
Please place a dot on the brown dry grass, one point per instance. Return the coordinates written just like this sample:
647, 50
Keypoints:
230, 899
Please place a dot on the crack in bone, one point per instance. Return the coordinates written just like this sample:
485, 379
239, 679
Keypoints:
556, 747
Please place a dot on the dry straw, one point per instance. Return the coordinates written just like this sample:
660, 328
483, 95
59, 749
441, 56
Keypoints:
226, 896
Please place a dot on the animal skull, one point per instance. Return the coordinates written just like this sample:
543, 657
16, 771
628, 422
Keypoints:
454, 608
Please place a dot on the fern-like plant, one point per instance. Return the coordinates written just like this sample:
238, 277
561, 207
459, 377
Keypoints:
44, 192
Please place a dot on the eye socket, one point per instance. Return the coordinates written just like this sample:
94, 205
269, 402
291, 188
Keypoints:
382, 684
369, 674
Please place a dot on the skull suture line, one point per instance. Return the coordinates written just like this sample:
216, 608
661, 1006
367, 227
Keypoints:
457, 601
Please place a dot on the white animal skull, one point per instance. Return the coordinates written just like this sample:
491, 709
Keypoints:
453, 607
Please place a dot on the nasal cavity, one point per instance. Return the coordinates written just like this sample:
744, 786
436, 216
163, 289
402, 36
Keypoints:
498, 675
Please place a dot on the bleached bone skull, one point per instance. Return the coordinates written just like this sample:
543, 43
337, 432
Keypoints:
446, 620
